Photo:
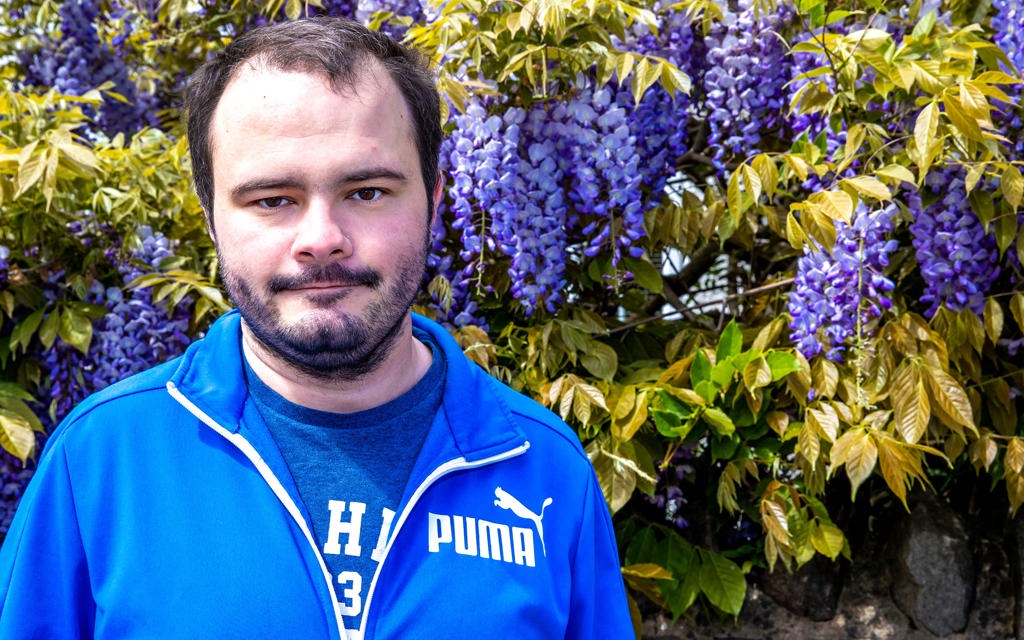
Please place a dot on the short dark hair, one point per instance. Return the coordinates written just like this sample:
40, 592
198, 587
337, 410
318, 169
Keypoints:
336, 48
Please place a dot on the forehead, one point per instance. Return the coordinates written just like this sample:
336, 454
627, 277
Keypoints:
259, 96
268, 115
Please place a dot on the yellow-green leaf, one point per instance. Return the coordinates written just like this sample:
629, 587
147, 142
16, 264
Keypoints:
964, 122
825, 421
1017, 309
897, 172
768, 172
973, 101
16, 435
808, 444
948, 396
925, 127
1012, 184
993, 317
617, 480
910, 403
837, 205
824, 378
1015, 490
868, 186
757, 373
858, 452
751, 181
647, 570
1014, 460
828, 539
778, 421
983, 452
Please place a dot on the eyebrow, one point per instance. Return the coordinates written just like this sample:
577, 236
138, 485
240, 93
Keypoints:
240, 191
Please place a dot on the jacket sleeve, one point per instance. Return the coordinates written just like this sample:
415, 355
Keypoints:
44, 581
599, 606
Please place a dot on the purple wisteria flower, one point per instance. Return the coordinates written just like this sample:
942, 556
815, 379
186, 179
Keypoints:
837, 293
745, 80
959, 260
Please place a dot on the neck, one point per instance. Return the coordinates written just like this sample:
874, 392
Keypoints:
407, 362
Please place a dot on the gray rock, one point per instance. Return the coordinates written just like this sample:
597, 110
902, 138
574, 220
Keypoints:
812, 591
1016, 562
933, 573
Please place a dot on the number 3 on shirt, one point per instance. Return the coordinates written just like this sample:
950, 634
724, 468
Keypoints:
351, 603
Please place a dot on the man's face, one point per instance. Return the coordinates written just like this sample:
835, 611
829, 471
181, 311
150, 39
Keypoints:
320, 216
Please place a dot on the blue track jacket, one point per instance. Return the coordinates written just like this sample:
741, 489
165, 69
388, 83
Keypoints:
161, 508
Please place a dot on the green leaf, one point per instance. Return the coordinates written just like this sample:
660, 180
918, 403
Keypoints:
781, 363
722, 582
828, 539
700, 370
644, 273
751, 182
672, 418
644, 75
924, 26
682, 559
48, 329
707, 390
600, 360
1006, 230
730, 343
24, 331
719, 421
76, 329
722, 373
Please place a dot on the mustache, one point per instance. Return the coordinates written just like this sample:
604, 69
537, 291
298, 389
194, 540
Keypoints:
330, 274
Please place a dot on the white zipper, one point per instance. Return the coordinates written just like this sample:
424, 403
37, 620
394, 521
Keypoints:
264, 470
456, 464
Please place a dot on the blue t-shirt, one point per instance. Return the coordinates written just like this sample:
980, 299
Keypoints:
351, 469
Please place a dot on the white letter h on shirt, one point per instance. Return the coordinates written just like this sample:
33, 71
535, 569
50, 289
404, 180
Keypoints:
338, 527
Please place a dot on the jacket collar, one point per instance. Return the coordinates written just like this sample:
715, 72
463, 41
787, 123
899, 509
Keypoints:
477, 421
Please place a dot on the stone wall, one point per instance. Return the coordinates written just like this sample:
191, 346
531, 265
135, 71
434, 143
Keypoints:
916, 576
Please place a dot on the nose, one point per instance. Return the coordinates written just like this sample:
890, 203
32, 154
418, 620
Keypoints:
320, 235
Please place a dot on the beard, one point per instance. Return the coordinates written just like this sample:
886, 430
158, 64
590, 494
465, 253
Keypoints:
327, 344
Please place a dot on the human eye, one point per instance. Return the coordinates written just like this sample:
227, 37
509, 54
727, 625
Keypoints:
367, 194
272, 202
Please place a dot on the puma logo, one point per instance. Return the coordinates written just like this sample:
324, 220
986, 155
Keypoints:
505, 500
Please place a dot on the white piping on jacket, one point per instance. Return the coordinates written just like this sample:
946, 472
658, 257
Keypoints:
456, 464
250, 452
264, 470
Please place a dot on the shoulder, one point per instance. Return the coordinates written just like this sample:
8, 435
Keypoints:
141, 394
534, 418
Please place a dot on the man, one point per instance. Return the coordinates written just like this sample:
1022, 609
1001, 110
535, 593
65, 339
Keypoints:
323, 463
